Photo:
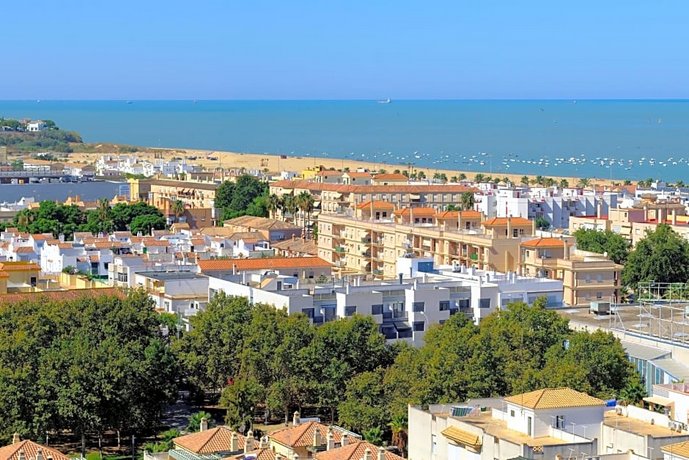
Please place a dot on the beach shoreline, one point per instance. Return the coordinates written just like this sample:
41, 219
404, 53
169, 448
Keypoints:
276, 163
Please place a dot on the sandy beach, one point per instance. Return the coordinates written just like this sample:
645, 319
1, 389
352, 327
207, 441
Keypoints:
212, 160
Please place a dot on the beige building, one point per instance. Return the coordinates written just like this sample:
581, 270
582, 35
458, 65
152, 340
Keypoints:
371, 241
586, 277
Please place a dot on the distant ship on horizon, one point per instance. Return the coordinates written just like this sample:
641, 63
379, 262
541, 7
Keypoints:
384, 101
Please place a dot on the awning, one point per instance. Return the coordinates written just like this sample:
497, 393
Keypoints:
659, 400
458, 436
414, 197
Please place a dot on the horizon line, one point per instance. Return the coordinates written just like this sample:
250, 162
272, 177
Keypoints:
540, 99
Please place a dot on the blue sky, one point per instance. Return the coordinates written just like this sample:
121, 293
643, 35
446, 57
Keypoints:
331, 49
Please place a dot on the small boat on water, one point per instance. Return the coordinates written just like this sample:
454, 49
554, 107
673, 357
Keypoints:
384, 101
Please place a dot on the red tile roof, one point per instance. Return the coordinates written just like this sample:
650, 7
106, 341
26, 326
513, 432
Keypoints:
376, 204
418, 212
355, 451
390, 177
469, 214
544, 243
30, 449
502, 222
210, 441
302, 435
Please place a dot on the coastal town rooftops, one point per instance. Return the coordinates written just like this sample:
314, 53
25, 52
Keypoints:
376, 204
261, 223
502, 222
356, 451
635, 425
29, 449
262, 263
554, 398
468, 214
397, 177
211, 441
544, 243
173, 275
302, 435
418, 212
398, 188
18, 266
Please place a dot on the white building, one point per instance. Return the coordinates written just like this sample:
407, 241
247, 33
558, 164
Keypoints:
35, 126
546, 424
180, 292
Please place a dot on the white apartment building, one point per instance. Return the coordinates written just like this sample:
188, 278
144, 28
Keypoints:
183, 293
403, 308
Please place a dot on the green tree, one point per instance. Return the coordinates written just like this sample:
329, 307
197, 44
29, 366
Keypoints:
633, 393
524, 180
194, 423
466, 201
608, 242
145, 224
542, 223
178, 209
365, 405
305, 203
584, 182
662, 256
564, 183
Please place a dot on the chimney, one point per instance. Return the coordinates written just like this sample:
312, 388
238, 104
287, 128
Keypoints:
295, 418
368, 455
330, 440
203, 426
599, 209
264, 442
39, 453
317, 438
15, 438
674, 216
381, 453
533, 227
234, 442
344, 440
509, 227
645, 212
249, 442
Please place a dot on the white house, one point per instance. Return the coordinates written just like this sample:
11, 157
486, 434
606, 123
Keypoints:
35, 126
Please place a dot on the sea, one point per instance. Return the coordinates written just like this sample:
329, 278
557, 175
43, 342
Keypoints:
620, 139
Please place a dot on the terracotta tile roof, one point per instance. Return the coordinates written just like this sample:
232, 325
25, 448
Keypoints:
459, 436
259, 454
302, 435
416, 212
677, 449
65, 245
544, 243
502, 222
30, 449
260, 223
155, 242
18, 266
329, 172
390, 177
262, 263
210, 441
355, 451
71, 294
358, 174
297, 245
376, 204
24, 249
40, 236
247, 236
554, 398
469, 214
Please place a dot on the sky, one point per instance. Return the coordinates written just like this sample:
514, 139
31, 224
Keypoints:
355, 49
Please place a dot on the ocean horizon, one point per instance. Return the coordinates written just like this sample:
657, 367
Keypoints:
604, 138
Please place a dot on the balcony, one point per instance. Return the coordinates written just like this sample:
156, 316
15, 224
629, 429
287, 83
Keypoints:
366, 239
340, 249
378, 272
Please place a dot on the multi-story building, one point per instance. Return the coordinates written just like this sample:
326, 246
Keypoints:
371, 240
548, 424
586, 276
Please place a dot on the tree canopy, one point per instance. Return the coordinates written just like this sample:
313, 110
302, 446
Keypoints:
607, 241
662, 256
246, 196
89, 365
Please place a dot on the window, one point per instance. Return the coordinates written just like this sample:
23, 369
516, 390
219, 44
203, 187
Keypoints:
560, 422
418, 326
484, 303
444, 305
512, 413
418, 307
349, 311
377, 309
529, 428
599, 295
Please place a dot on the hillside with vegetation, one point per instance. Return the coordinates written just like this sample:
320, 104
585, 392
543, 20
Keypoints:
14, 136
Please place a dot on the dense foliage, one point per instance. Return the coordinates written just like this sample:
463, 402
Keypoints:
662, 256
246, 196
607, 241
262, 361
52, 138
59, 219
86, 366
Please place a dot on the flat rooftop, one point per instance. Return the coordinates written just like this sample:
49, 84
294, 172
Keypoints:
636, 426
660, 320
176, 275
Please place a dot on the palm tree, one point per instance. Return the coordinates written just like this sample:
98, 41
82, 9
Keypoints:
177, 208
105, 223
274, 203
398, 426
289, 205
525, 180
564, 183
305, 202
467, 201
584, 182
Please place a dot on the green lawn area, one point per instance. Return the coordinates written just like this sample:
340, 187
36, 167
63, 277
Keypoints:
96, 456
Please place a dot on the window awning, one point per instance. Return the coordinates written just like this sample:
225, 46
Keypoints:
659, 400
458, 436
